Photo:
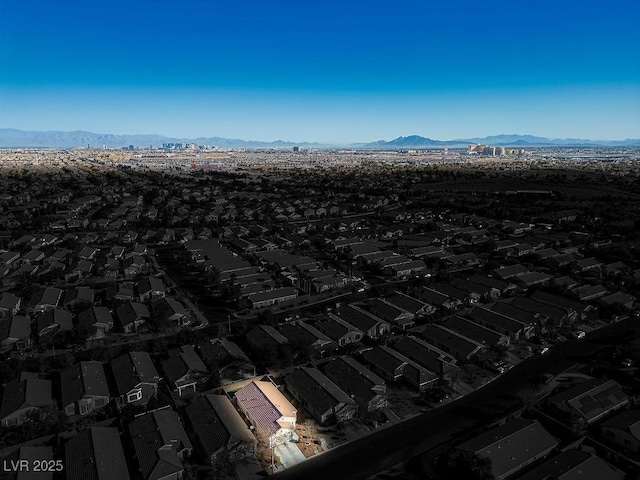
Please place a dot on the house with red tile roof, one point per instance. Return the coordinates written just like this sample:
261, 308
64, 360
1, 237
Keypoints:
269, 412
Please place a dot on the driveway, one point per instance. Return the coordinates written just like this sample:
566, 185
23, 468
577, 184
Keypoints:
289, 454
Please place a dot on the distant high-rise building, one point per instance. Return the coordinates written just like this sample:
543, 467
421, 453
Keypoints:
296, 149
476, 149
131, 147
489, 150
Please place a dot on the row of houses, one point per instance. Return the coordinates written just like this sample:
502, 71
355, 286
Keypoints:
522, 448
129, 379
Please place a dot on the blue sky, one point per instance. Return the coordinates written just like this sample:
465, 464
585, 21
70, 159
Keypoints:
322, 71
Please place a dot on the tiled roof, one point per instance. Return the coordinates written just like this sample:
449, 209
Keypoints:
472, 330
31, 455
410, 304
57, 316
131, 311
95, 315
132, 369
207, 425
191, 359
47, 296
354, 377
84, 378
18, 327
231, 419
95, 454
9, 301
26, 391
628, 420
175, 369
150, 433
264, 405
319, 393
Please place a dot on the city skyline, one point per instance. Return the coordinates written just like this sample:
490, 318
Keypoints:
330, 74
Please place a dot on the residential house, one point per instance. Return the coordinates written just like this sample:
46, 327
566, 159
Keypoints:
511, 447
426, 355
544, 312
84, 388
458, 345
24, 458
52, 321
23, 396
136, 378
574, 464
587, 293
478, 333
268, 411
511, 271
475, 292
357, 381
149, 289
461, 297
439, 300
32, 256
322, 398
227, 360
79, 271
170, 311
184, 369
44, 299
498, 287
15, 333
265, 337
499, 323
98, 317
394, 367
133, 265
338, 330
95, 453
623, 429
78, 298
132, 316
87, 253
161, 444
389, 312
122, 291
587, 264
363, 321
410, 304
590, 400
220, 431
304, 335
9, 305
619, 298
272, 297
532, 279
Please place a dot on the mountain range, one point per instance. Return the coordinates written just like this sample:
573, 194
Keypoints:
13, 138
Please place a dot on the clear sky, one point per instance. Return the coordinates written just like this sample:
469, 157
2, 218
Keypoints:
330, 71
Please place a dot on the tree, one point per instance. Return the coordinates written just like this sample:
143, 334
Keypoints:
457, 464
9, 369
528, 395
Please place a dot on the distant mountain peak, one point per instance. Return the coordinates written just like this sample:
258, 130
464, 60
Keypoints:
11, 137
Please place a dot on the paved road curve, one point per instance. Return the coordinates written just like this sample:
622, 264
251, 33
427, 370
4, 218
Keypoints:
401, 442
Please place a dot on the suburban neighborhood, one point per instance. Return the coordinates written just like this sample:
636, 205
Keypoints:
237, 315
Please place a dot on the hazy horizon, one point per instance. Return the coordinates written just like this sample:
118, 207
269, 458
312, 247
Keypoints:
335, 73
